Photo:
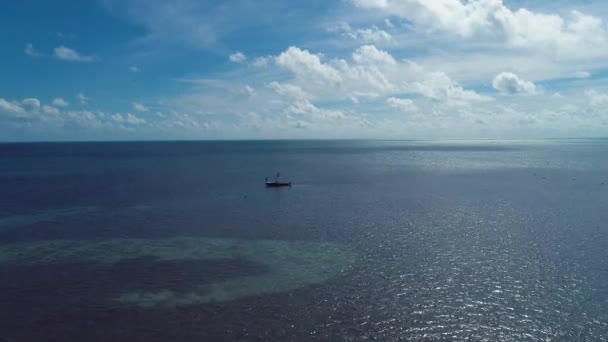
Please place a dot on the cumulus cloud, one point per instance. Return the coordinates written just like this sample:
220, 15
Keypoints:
134, 120
129, 119
374, 35
27, 110
369, 54
71, 55
83, 119
238, 57
438, 86
574, 36
261, 61
312, 112
31, 112
509, 83
288, 90
118, 117
404, 105
249, 90
370, 73
46, 109
9, 107
368, 35
30, 103
305, 64
597, 99
59, 102
139, 107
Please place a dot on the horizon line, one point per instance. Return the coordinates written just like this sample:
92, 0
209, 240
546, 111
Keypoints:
283, 139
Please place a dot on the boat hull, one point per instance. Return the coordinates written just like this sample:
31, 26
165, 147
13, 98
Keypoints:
277, 184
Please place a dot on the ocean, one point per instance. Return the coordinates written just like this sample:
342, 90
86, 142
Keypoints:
375, 240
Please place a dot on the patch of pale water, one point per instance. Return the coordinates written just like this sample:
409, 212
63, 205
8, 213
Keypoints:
287, 265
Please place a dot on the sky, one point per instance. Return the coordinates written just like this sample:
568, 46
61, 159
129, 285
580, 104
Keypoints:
76, 70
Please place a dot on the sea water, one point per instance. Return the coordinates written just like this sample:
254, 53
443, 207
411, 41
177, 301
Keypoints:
385, 240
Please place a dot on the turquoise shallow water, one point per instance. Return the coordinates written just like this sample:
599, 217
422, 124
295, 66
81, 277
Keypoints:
386, 240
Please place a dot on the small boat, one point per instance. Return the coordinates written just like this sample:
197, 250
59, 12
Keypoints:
276, 183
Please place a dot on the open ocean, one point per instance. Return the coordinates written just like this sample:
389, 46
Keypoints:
377, 240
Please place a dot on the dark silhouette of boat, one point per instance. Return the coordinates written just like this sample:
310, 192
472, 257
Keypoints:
276, 183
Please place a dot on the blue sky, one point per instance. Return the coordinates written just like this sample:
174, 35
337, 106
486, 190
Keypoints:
244, 69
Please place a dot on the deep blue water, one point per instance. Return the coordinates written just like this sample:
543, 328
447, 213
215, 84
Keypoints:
401, 240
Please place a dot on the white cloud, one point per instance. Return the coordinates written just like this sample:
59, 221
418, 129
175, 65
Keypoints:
438, 86
574, 36
374, 35
30, 103
371, 73
67, 54
368, 35
9, 107
404, 105
288, 90
431, 57
59, 102
509, 83
140, 107
134, 120
307, 65
238, 57
83, 119
261, 61
49, 109
369, 54
312, 112
177, 120
82, 98
118, 117
30, 50
30, 113
249, 90
369, 77
129, 119
29, 110
597, 99
581, 74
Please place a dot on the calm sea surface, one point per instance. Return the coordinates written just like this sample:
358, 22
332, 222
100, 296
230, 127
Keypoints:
378, 240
